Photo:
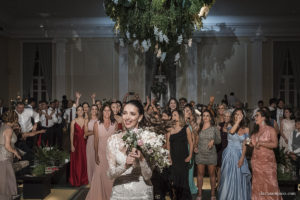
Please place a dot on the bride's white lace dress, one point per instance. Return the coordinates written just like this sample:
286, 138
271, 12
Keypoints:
132, 183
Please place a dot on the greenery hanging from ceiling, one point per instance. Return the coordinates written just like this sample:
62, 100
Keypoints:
164, 26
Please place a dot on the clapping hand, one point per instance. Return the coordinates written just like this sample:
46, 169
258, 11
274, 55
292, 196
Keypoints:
93, 96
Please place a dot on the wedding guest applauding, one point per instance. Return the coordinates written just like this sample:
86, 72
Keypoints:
78, 169
8, 185
235, 182
48, 120
179, 139
206, 154
263, 161
101, 184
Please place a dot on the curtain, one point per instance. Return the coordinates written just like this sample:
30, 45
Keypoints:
45, 60
280, 50
29, 53
294, 48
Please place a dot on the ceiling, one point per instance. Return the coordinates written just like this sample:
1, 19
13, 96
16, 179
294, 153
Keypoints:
16, 14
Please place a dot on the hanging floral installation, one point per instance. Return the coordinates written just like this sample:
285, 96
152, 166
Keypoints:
164, 26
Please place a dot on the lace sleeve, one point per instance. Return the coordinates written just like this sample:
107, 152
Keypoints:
145, 169
114, 169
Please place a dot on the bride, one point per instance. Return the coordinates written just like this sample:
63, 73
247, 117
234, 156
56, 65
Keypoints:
130, 170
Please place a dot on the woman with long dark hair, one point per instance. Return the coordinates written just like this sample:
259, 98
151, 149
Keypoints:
235, 182
190, 119
172, 104
130, 170
78, 164
263, 161
179, 139
101, 185
206, 154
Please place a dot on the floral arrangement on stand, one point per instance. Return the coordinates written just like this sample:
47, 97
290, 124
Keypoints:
285, 168
150, 144
164, 26
159, 88
48, 160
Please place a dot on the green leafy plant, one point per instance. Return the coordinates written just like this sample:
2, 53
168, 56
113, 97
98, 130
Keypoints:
48, 156
163, 26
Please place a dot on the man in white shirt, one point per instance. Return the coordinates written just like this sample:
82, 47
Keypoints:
70, 113
25, 116
279, 111
59, 125
48, 120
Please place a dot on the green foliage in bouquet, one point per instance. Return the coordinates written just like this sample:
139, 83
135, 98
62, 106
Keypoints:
163, 26
48, 156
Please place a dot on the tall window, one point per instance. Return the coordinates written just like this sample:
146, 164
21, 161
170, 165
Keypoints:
287, 89
38, 88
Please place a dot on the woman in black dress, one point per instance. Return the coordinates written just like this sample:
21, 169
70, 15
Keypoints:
220, 147
178, 139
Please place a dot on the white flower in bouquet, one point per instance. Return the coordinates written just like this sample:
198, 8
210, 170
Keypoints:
179, 40
135, 44
134, 35
121, 42
115, 1
150, 144
190, 41
177, 56
128, 34
163, 56
160, 35
158, 53
145, 45
165, 38
155, 30
204, 11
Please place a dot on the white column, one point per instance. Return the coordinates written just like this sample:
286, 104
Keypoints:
255, 70
123, 71
60, 68
192, 72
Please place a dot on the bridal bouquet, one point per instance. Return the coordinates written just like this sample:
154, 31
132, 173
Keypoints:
150, 144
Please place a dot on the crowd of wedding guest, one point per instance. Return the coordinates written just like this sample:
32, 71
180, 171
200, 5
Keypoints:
212, 136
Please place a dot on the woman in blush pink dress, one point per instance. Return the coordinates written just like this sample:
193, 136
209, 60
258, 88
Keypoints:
89, 134
264, 167
101, 185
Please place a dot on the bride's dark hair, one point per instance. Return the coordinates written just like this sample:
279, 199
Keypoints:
140, 108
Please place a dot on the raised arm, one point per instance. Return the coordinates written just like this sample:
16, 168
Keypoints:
78, 95
93, 97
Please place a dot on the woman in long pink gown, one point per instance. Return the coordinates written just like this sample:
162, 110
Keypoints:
264, 167
89, 134
78, 171
101, 185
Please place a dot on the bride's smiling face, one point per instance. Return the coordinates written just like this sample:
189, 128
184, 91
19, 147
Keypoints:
131, 116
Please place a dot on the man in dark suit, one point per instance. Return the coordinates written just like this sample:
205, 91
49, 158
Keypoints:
2, 110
